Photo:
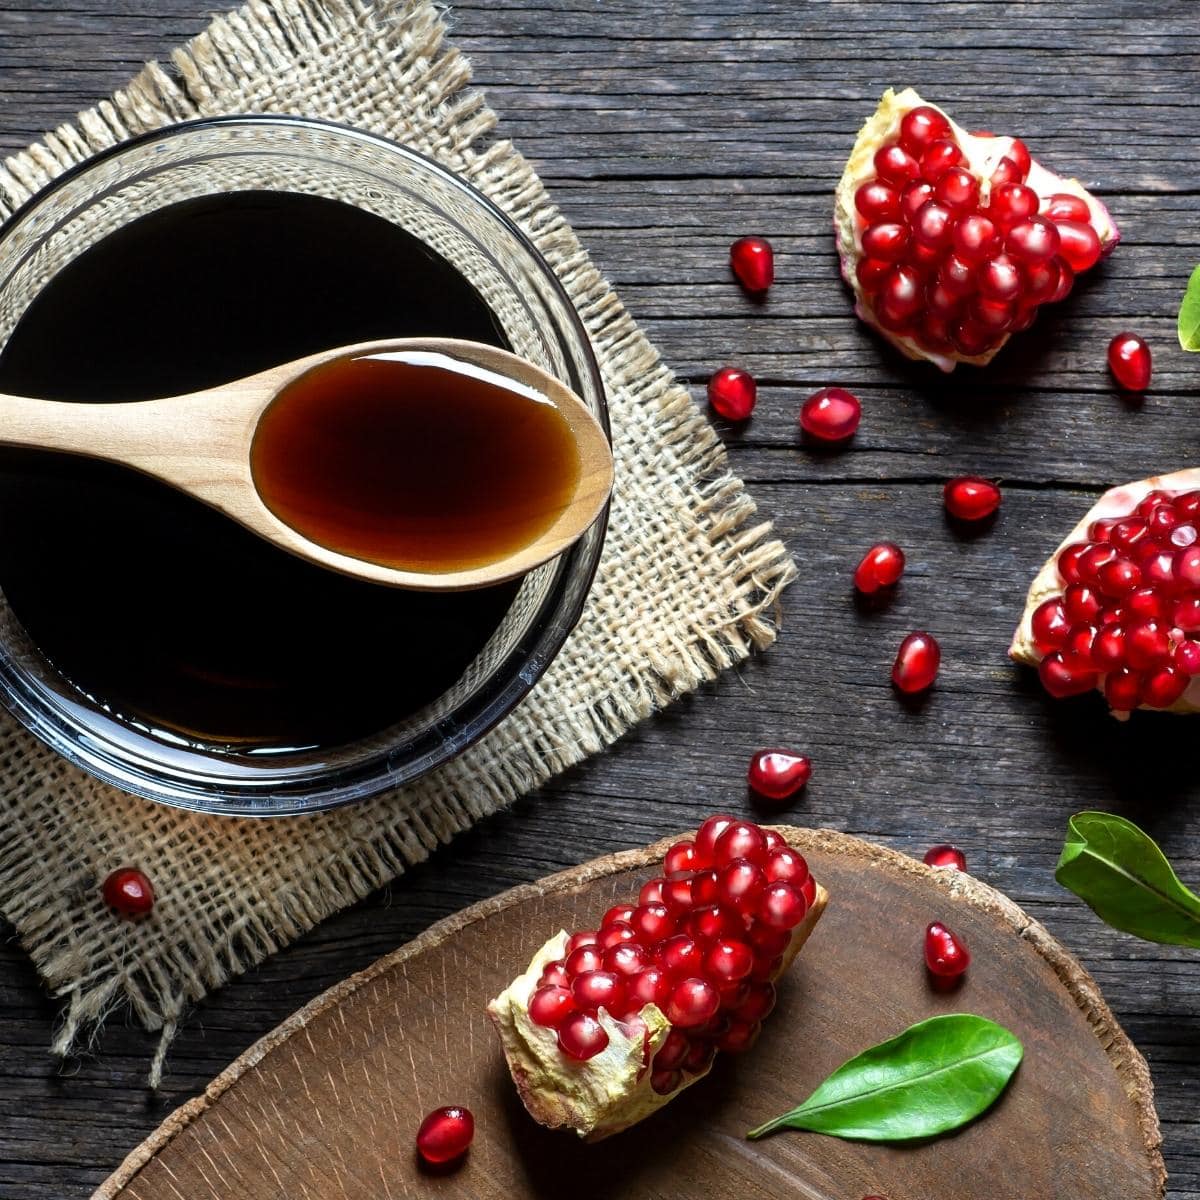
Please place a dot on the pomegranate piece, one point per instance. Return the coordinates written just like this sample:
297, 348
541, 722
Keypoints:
778, 774
945, 855
946, 954
732, 393
969, 498
830, 415
129, 892
596, 1039
753, 262
1116, 608
880, 567
1129, 362
950, 240
917, 663
445, 1134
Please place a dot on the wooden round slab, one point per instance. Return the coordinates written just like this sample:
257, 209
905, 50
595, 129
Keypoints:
328, 1104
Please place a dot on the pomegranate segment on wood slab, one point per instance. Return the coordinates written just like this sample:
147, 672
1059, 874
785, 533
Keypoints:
951, 241
606, 1026
1116, 607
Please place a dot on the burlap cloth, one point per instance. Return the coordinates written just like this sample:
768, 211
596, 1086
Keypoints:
686, 587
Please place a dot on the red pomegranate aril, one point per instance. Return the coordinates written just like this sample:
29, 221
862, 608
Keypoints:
680, 857
942, 303
665, 1082
678, 895
1119, 577
997, 316
786, 865
917, 662
679, 955
901, 297
707, 835
741, 882
1129, 361
1147, 645
767, 942
971, 339
1034, 240
876, 201
618, 914
933, 332
957, 275
871, 273
1080, 642
1187, 657
957, 189
713, 921
971, 498
1162, 520
700, 1057
704, 887
999, 278
777, 774
1068, 561
739, 1037
1066, 280
920, 127
938, 157
581, 1036
651, 892
1041, 282
913, 196
445, 1134
550, 1006
933, 226
945, 855
652, 922
728, 960
614, 935
583, 960
732, 393
1123, 690
758, 1005
880, 567
1019, 153
627, 959
1124, 534
1188, 505
555, 974
1186, 567
1079, 244
1108, 647
1062, 676
1062, 206
946, 954
1183, 536
975, 238
650, 986
753, 262
1186, 614
691, 1002
1081, 603
673, 1051
128, 891
831, 414
894, 165
584, 937
1164, 686
781, 906
1144, 602
766, 969
1050, 626
741, 840
1010, 203
887, 241
594, 990
1093, 560
1150, 501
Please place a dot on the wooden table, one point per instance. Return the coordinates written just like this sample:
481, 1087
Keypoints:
664, 131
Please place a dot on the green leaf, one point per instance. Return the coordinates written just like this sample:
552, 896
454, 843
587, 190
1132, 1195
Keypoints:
934, 1077
1189, 314
1124, 877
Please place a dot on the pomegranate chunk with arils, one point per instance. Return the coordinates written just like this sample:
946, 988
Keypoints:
608, 1024
952, 241
1116, 608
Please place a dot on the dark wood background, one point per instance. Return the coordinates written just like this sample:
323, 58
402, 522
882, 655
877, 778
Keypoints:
665, 130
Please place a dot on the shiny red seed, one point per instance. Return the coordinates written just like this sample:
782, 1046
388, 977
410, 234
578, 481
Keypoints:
728, 960
880, 567
1129, 362
665, 1082
894, 164
913, 195
741, 882
996, 316
1081, 603
1079, 244
1062, 206
650, 986
586, 958
1187, 657
1050, 626
1010, 203
581, 1036
1065, 676
651, 892
975, 238
933, 226
742, 839
1108, 647
1066, 280
445, 1134
1123, 690
945, 855
922, 126
876, 201
679, 955
555, 974
781, 906
129, 892
673, 1051
594, 990
711, 922
1186, 614
767, 942
938, 157
917, 662
1034, 240
691, 1002
871, 273
1019, 153
627, 959
957, 275
758, 1004
1164, 686
678, 895
1068, 561
946, 954
550, 1006
584, 937
970, 498
786, 865
1119, 577
887, 241
739, 1037
753, 262
999, 278
1147, 645
615, 934
957, 189
704, 887
1186, 566
706, 837
619, 913
900, 298
732, 393
830, 415
680, 857
778, 774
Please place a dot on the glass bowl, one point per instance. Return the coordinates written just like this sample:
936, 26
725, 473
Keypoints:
529, 310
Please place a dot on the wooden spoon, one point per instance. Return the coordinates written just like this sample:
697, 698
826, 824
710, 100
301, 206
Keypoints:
200, 443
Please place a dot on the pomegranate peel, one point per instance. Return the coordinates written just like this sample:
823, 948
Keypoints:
979, 162
1114, 511
615, 1088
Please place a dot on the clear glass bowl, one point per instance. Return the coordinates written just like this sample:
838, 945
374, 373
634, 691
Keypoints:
286, 154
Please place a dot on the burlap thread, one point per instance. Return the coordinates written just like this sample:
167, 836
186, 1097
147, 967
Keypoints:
687, 586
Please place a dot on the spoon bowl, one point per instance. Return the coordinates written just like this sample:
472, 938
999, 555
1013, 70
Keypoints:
203, 444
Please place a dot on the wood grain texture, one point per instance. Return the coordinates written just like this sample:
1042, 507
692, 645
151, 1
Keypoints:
664, 130
324, 1105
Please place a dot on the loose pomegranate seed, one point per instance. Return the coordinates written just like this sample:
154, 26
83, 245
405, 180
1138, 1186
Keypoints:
732, 393
445, 1134
581, 1036
550, 1006
830, 415
970, 498
778, 774
946, 954
1129, 361
692, 1002
945, 855
129, 892
917, 663
880, 567
753, 262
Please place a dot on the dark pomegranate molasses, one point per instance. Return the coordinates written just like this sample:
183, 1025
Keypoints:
164, 611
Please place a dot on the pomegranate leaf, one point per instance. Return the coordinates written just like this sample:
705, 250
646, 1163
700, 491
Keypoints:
1122, 875
934, 1077
1189, 314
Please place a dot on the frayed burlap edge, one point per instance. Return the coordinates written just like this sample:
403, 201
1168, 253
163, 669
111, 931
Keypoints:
266, 57
1126, 1060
